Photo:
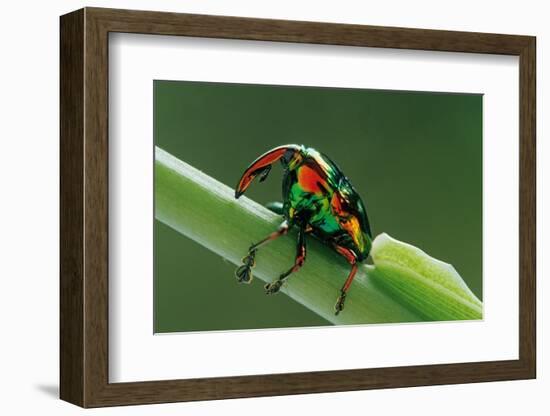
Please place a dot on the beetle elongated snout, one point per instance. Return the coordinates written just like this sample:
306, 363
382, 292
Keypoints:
262, 165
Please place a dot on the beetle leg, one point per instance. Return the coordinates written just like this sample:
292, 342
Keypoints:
276, 207
244, 272
283, 229
352, 259
275, 286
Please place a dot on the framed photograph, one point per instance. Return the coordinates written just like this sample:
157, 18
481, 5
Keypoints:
255, 207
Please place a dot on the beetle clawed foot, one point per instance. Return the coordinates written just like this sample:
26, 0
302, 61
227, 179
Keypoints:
244, 272
339, 307
273, 287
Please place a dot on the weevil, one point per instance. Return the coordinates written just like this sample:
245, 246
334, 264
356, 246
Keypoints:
318, 199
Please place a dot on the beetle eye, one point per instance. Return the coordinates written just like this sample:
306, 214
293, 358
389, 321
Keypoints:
287, 157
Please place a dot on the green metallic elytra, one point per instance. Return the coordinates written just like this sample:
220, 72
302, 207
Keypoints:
317, 199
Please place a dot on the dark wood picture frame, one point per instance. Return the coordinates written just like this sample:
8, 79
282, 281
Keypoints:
84, 207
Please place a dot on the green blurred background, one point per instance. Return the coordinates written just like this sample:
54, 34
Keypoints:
415, 158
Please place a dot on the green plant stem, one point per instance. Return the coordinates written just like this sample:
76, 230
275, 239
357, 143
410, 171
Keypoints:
207, 212
426, 284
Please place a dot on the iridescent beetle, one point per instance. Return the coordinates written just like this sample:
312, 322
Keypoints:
317, 199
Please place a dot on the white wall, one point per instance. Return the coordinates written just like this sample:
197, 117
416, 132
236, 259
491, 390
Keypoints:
29, 208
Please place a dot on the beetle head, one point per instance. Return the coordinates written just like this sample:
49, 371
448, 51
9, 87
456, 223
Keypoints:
292, 157
289, 155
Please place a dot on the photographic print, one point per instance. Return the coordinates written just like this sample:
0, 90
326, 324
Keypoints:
231, 185
297, 206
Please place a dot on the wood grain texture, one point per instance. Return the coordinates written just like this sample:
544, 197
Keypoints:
527, 208
72, 215
96, 214
162, 23
84, 207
